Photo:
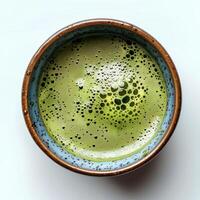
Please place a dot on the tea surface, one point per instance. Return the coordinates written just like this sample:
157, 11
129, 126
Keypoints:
102, 98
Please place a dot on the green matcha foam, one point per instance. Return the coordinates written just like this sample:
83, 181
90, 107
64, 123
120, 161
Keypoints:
102, 98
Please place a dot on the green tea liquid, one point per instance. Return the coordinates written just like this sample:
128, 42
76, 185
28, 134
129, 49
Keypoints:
102, 98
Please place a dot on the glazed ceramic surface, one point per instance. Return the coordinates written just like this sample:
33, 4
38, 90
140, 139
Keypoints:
36, 123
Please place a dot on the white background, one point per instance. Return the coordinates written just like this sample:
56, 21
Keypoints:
27, 173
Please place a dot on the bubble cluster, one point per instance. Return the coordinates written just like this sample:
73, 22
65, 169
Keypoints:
102, 98
115, 97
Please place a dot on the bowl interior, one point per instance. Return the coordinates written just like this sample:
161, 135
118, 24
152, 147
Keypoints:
57, 149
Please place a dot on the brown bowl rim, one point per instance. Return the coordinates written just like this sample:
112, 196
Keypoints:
123, 25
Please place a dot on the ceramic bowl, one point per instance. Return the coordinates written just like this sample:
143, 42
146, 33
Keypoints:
56, 152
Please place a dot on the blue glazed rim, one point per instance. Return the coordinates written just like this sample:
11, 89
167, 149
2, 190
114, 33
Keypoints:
35, 123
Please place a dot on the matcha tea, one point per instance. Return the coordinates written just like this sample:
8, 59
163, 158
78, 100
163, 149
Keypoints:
102, 98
